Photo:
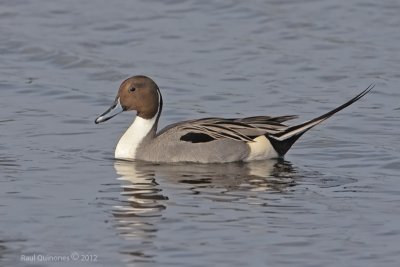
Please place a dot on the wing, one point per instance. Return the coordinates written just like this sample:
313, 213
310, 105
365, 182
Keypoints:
238, 129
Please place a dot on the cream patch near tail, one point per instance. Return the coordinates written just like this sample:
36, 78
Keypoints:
261, 148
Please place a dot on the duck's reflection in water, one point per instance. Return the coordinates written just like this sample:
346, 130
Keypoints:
158, 197
142, 202
145, 186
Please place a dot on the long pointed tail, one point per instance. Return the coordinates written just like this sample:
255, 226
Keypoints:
284, 140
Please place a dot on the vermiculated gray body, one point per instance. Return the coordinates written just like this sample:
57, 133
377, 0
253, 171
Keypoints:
167, 147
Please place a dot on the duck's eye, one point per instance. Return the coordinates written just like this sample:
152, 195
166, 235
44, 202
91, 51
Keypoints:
132, 89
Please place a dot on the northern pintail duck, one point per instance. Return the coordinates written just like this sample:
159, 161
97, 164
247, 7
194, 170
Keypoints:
208, 140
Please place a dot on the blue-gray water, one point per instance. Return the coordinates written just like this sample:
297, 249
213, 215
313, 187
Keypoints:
334, 201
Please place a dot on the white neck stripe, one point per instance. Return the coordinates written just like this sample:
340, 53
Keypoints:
131, 139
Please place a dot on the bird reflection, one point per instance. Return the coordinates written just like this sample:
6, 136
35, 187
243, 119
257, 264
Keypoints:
144, 197
147, 187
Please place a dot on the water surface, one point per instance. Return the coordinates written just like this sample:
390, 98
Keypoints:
334, 200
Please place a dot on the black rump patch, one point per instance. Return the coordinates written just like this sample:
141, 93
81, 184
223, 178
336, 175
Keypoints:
196, 138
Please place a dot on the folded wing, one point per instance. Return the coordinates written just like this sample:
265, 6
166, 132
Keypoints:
238, 129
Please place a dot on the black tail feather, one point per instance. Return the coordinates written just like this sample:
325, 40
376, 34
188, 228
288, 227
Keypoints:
284, 140
283, 146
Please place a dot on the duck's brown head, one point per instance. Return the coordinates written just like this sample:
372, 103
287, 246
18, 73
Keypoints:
138, 93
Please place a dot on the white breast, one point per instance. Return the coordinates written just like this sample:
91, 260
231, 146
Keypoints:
129, 142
